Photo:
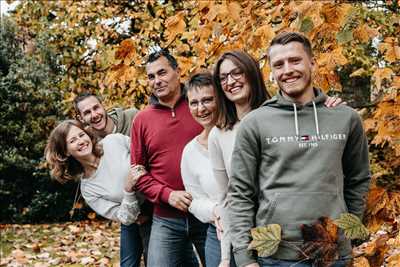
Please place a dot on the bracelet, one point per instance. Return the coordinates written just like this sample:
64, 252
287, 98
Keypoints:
138, 170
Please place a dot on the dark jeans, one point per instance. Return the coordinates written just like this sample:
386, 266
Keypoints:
134, 241
171, 242
270, 262
213, 249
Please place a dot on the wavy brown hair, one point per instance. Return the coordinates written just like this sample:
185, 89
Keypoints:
227, 115
65, 168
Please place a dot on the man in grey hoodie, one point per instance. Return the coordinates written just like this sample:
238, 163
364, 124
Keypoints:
295, 160
91, 112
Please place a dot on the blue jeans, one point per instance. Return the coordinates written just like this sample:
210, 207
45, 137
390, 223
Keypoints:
171, 242
270, 262
134, 241
213, 249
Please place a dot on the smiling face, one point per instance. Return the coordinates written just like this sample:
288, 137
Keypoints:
79, 144
203, 105
234, 82
92, 113
163, 79
292, 68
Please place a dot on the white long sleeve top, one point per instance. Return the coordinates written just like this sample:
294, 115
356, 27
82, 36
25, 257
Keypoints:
199, 181
104, 190
220, 146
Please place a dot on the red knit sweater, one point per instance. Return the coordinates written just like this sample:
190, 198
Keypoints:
158, 136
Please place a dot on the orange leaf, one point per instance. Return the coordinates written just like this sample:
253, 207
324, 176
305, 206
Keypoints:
91, 215
364, 33
381, 74
175, 25
377, 199
396, 82
370, 124
361, 262
234, 10
393, 260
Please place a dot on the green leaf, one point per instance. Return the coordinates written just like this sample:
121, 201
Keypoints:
306, 25
344, 36
352, 226
266, 239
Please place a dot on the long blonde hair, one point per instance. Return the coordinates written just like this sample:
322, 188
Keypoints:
64, 168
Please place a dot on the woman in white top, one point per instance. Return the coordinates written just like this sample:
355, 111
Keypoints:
196, 169
240, 88
106, 177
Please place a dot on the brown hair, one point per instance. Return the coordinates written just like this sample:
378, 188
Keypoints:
199, 79
284, 38
227, 115
82, 96
65, 168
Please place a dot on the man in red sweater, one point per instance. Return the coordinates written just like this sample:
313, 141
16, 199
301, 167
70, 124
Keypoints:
158, 135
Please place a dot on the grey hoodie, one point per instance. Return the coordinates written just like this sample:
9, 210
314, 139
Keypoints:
293, 164
122, 119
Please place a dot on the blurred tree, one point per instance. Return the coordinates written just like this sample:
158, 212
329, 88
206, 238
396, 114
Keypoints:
29, 108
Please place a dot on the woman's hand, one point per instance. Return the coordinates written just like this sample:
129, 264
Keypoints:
224, 263
135, 173
217, 222
333, 101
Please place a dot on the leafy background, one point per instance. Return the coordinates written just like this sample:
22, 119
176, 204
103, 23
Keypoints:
52, 50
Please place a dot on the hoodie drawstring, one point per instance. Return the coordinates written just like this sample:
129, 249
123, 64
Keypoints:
296, 122
316, 118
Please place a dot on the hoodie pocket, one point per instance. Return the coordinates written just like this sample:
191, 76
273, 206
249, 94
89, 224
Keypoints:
291, 209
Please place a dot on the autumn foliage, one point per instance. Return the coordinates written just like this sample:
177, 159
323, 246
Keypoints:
101, 46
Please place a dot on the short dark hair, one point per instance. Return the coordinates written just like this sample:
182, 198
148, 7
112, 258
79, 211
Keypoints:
81, 97
227, 115
162, 53
199, 79
284, 38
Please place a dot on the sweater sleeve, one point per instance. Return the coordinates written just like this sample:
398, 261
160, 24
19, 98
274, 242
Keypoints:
202, 206
242, 191
356, 168
154, 190
125, 212
218, 164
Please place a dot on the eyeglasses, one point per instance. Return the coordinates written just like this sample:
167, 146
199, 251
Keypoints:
206, 102
236, 74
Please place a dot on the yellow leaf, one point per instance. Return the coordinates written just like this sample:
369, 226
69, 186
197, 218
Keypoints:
266, 239
358, 72
381, 74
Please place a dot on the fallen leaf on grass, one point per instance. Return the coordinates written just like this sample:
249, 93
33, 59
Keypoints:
19, 256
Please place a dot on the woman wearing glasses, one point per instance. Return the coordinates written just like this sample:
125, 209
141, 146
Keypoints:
196, 168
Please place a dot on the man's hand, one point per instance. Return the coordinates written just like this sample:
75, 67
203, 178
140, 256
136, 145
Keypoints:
253, 265
333, 101
180, 200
